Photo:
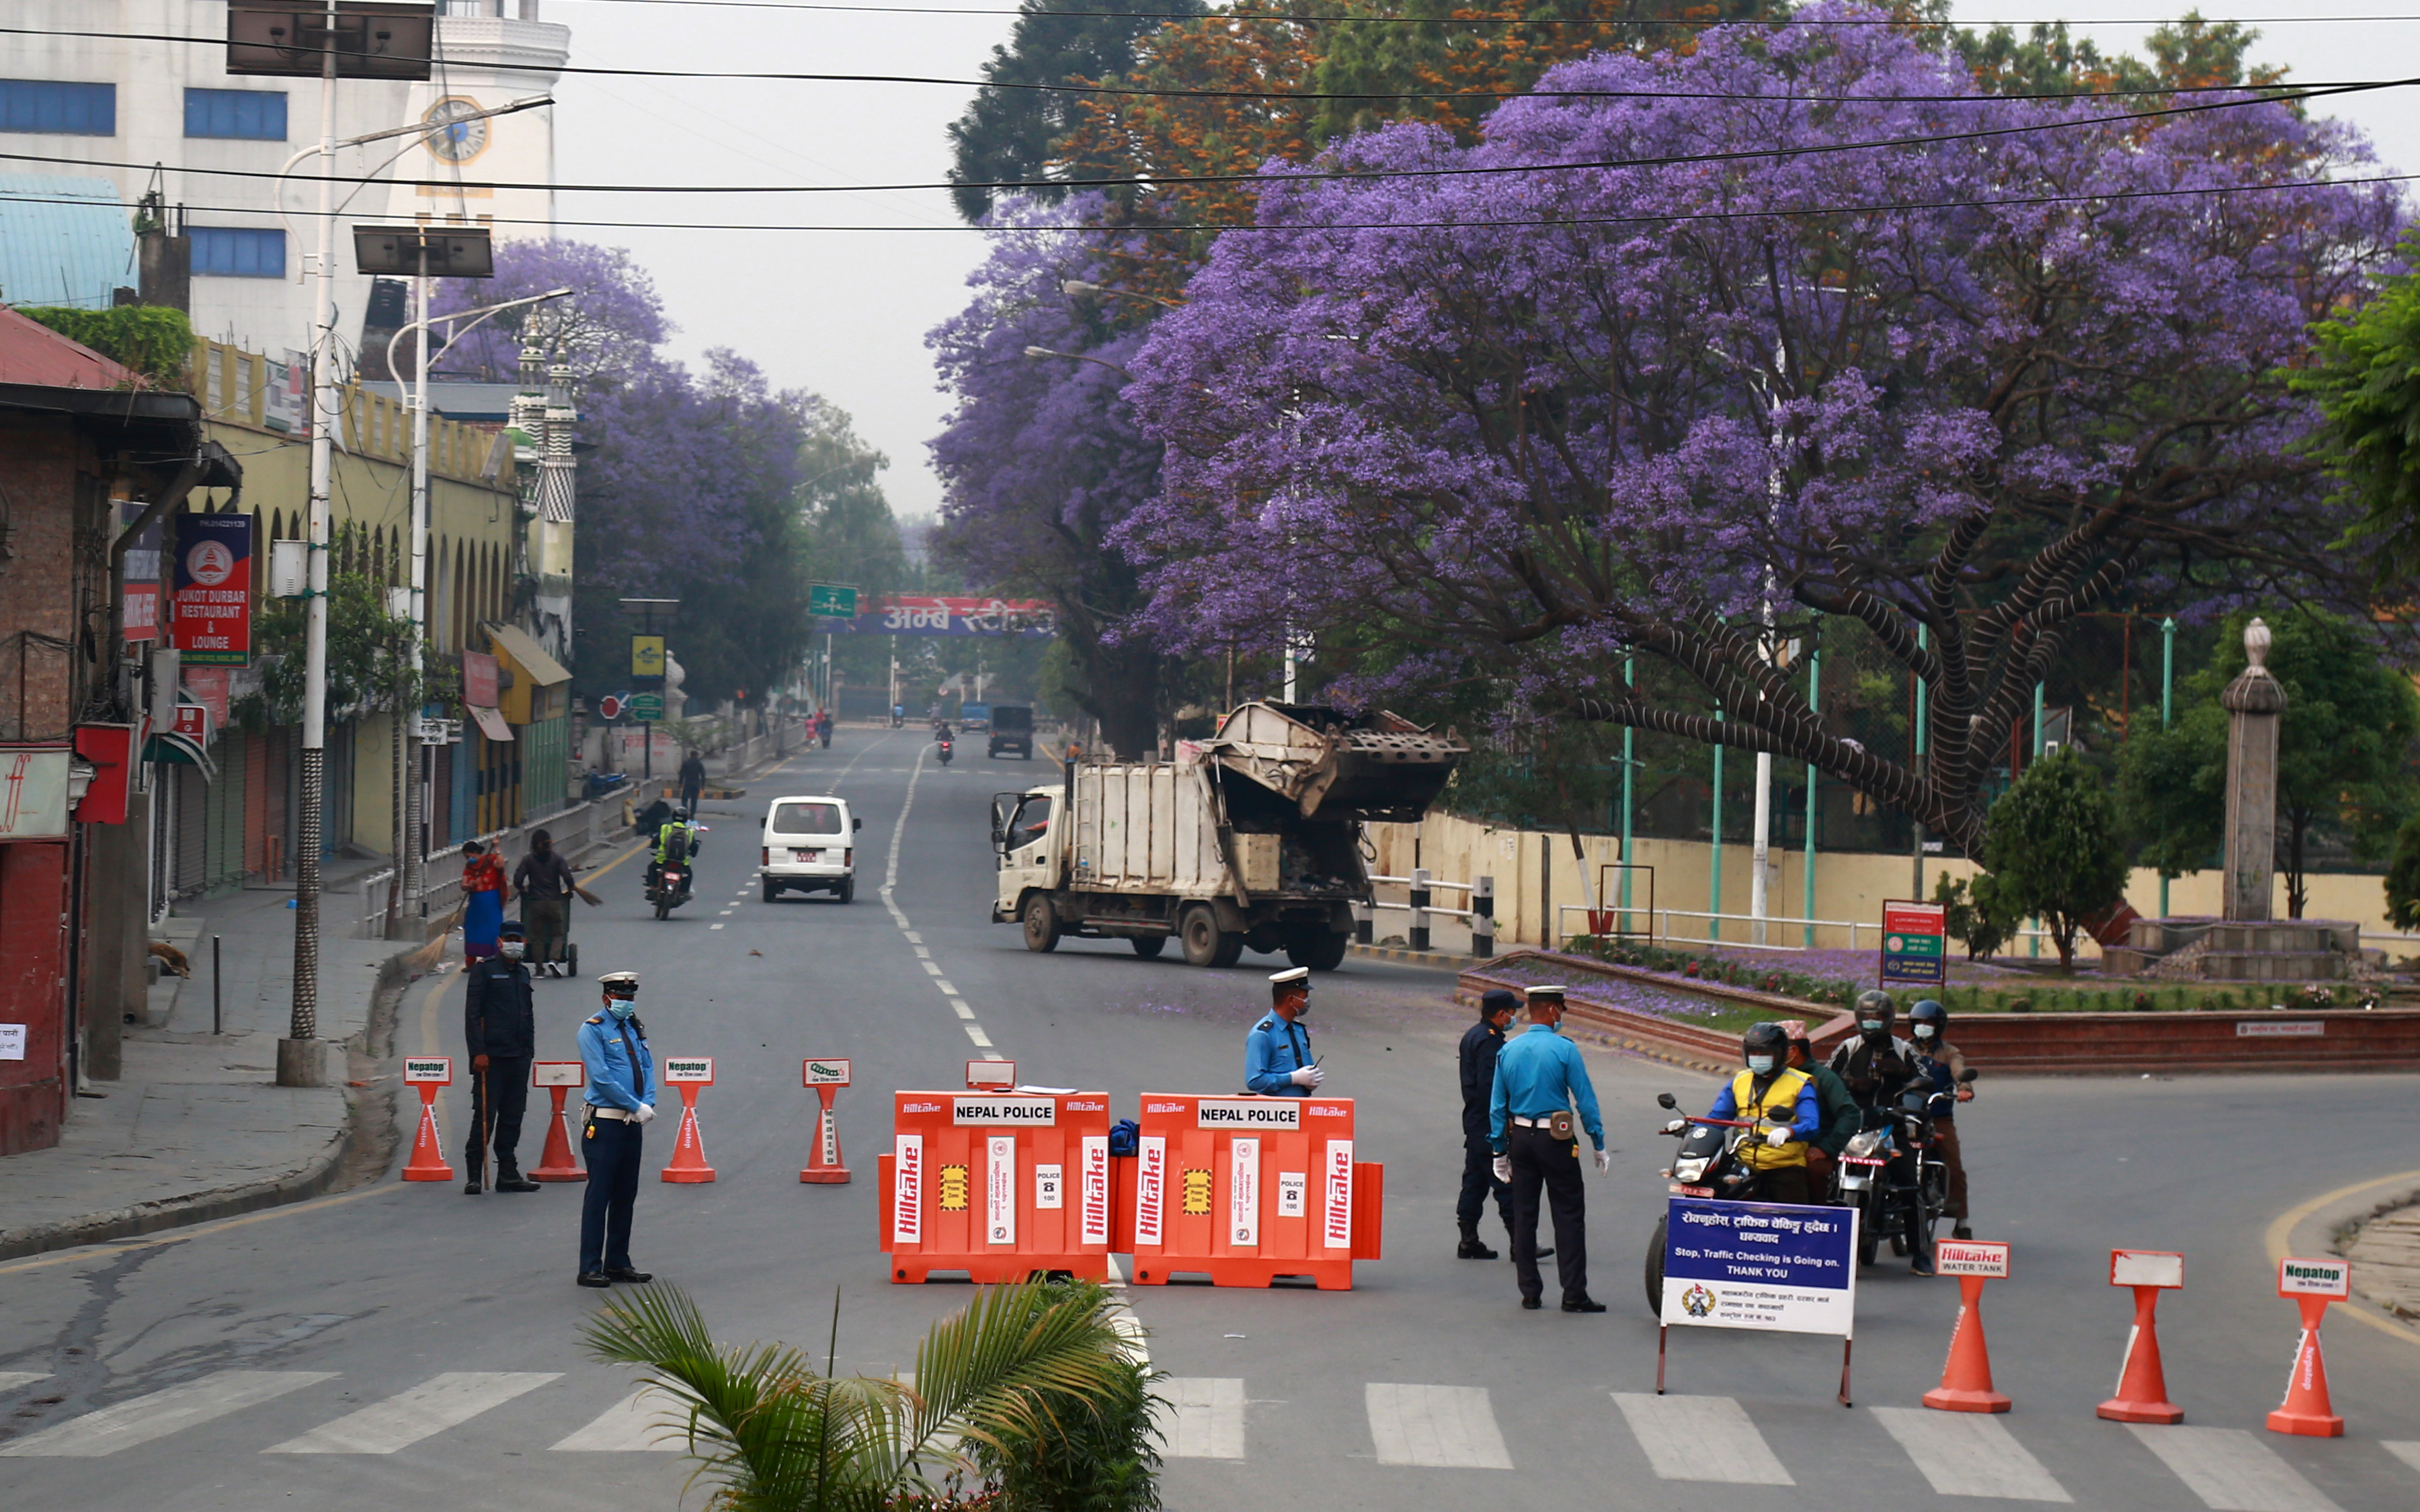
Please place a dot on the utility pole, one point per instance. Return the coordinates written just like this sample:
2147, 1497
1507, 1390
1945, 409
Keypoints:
2168, 709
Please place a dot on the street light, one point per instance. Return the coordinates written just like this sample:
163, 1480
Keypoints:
1046, 353
1077, 288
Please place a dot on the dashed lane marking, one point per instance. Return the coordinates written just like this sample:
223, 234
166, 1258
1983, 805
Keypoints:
958, 1006
1966, 1454
439, 1403
1675, 1431
888, 893
947, 990
157, 1414
2231, 1471
643, 1421
714, 926
1201, 1417
1450, 1427
2404, 1449
930, 968
974, 1032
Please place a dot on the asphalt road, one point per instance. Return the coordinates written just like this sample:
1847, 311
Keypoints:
402, 1346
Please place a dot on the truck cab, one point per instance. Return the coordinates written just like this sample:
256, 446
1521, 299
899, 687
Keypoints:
1011, 727
1031, 847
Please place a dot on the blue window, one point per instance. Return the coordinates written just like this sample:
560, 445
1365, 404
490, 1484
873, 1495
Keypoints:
238, 252
247, 115
48, 106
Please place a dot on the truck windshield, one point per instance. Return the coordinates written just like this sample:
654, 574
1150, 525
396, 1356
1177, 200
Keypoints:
1033, 820
806, 819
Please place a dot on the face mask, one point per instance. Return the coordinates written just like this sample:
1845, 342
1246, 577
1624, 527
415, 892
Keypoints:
621, 1008
1924, 1031
1761, 1065
1870, 1025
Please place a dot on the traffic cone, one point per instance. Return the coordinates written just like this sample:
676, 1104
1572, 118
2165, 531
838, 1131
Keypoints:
556, 1164
1966, 1377
823, 1158
689, 1154
2306, 1411
427, 1162
2142, 1387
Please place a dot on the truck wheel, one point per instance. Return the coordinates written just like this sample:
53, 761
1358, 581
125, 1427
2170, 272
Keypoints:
1041, 925
1231, 949
1321, 951
1148, 945
1198, 932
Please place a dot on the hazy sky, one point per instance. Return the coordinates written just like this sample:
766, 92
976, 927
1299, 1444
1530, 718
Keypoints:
844, 312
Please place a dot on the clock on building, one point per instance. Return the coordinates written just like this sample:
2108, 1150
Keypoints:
457, 139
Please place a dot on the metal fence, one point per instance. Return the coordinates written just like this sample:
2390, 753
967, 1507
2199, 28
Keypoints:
574, 831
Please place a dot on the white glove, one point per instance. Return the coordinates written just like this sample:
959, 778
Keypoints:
1503, 1168
1776, 1137
1308, 1076
646, 1114
1604, 1163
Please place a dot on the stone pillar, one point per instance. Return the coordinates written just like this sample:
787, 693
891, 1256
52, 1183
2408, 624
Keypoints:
2253, 703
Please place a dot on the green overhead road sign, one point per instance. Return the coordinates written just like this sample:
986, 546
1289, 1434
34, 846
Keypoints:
831, 601
645, 706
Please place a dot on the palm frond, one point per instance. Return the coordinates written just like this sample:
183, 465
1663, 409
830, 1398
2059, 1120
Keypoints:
1011, 1365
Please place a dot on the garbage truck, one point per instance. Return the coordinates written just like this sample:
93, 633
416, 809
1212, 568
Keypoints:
1251, 838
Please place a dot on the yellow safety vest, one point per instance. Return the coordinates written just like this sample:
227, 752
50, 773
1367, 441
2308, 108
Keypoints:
1779, 1104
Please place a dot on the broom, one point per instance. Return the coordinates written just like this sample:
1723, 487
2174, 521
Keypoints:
421, 962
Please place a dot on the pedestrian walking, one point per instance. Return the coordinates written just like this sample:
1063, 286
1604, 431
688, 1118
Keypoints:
693, 781
546, 887
484, 894
1277, 1053
1842, 1116
1480, 1045
500, 1029
621, 1104
1539, 1079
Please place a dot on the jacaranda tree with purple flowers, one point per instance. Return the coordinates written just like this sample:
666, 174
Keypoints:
1813, 332
1042, 459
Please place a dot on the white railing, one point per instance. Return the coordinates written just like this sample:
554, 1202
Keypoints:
1773, 922
573, 831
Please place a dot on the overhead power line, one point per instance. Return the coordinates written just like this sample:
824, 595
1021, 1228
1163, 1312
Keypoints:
1470, 21
1293, 176
1781, 213
1149, 92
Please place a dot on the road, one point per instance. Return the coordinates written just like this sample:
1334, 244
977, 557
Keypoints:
401, 1346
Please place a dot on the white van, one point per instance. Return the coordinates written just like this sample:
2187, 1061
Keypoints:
810, 845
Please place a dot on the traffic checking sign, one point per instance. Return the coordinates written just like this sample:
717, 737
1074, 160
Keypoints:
1759, 1265
1916, 944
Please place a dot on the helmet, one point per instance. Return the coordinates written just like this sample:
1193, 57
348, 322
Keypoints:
1766, 1039
1928, 1014
1873, 1005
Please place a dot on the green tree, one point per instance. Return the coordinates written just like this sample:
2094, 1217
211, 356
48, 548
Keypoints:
1013, 126
1027, 1390
370, 664
2365, 376
2403, 877
1980, 918
2188, 54
153, 340
2344, 753
2052, 850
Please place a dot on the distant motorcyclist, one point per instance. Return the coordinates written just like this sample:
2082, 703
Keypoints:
1843, 1118
1941, 1064
1875, 1066
676, 842
1769, 1090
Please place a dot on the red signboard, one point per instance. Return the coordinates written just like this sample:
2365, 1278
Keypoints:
141, 605
479, 679
110, 749
210, 620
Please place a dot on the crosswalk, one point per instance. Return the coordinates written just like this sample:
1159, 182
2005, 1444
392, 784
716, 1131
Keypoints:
1419, 1425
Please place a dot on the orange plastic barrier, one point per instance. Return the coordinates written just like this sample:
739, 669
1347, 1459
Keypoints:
824, 1168
2143, 1386
2310, 1285
1248, 1189
558, 1077
687, 1074
1002, 1185
432, 1075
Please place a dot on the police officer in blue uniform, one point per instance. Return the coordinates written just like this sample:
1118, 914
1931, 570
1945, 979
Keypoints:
621, 1104
1539, 1077
1277, 1053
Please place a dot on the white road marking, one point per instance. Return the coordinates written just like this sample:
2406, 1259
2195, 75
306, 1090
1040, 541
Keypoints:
958, 1006
947, 990
162, 1412
11, 1379
1202, 1417
714, 926
726, 913
1450, 1427
930, 969
974, 1032
637, 1422
2407, 1450
2231, 1471
1676, 1432
922, 954
914, 938
1968, 1453
439, 1403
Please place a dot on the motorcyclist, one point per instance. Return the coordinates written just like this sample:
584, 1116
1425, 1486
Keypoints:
1875, 1066
1941, 1064
1767, 1089
675, 841
1843, 1118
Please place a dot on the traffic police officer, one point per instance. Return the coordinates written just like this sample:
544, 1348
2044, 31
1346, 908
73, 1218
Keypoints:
621, 1102
1480, 1045
1539, 1076
1783, 1103
500, 1029
1277, 1053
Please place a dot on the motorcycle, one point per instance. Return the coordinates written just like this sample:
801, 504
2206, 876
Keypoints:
944, 744
1892, 1173
1707, 1164
668, 885
823, 733
598, 784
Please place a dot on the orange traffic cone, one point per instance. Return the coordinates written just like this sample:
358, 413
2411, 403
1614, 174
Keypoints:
1966, 1377
556, 1164
2306, 1410
688, 1155
823, 1160
427, 1162
2142, 1387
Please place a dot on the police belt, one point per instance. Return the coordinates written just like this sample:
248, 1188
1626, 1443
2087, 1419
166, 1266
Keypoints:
623, 1115
1546, 1122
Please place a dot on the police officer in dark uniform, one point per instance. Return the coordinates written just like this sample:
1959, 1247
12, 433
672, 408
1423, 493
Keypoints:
1479, 1043
501, 1031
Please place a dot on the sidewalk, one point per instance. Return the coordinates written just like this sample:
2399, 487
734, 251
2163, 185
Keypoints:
197, 1127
